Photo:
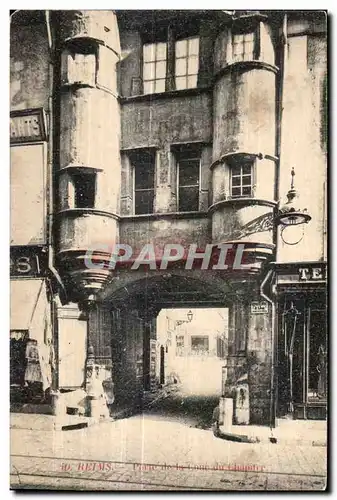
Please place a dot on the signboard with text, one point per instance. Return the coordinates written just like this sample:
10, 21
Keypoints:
28, 261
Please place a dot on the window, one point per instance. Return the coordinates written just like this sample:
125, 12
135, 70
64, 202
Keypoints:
188, 181
144, 172
180, 345
82, 190
186, 63
154, 67
199, 345
171, 61
241, 180
243, 46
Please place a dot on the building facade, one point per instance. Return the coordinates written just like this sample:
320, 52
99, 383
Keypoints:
154, 127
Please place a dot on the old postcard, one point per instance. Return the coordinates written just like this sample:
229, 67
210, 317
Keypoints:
168, 274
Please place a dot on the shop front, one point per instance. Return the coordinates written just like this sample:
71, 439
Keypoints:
31, 341
302, 354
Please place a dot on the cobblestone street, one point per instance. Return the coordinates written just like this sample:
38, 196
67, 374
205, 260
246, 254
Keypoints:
161, 449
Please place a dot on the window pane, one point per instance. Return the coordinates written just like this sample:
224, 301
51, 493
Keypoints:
246, 180
144, 175
236, 170
188, 172
144, 202
236, 191
246, 191
149, 52
193, 65
192, 81
188, 199
181, 82
85, 189
248, 37
161, 52
149, 87
160, 86
149, 73
193, 46
161, 69
181, 48
246, 169
236, 181
181, 66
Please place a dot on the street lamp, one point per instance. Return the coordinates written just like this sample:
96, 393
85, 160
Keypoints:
292, 217
290, 214
188, 320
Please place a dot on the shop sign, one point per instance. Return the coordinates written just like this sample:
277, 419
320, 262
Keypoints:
313, 273
28, 125
259, 308
28, 261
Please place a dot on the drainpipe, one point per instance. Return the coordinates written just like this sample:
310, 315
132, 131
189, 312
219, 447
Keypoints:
51, 254
271, 300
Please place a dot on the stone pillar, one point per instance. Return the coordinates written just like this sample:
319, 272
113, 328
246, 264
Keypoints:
165, 196
259, 361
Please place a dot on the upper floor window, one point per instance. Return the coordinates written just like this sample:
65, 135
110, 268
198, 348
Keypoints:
84, 189
171, 61
188, 175
243, 46
186, 63
144, 175
154, 67
242, 180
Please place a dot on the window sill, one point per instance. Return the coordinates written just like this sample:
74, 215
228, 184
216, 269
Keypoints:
162, 95
241, 201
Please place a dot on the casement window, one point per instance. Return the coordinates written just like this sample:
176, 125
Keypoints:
242, 180
143, 163
244, 46
199, 344
154, 67
186, 63
170, 62
188, 179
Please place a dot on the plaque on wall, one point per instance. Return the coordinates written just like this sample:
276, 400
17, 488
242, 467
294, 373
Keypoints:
28, 125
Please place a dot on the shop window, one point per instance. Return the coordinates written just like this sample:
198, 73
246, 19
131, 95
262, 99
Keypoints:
154, 67
242, 180
188, 178
82, 190
199, 345
143, 163
186, 63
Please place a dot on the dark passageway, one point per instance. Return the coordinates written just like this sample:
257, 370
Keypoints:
193, 410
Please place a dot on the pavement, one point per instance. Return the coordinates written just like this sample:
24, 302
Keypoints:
155, 451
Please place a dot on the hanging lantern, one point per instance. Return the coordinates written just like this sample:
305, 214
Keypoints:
291, 214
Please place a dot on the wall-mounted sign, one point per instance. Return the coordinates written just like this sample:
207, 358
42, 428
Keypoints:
259, 307
313, 273
28, 261
28, 125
